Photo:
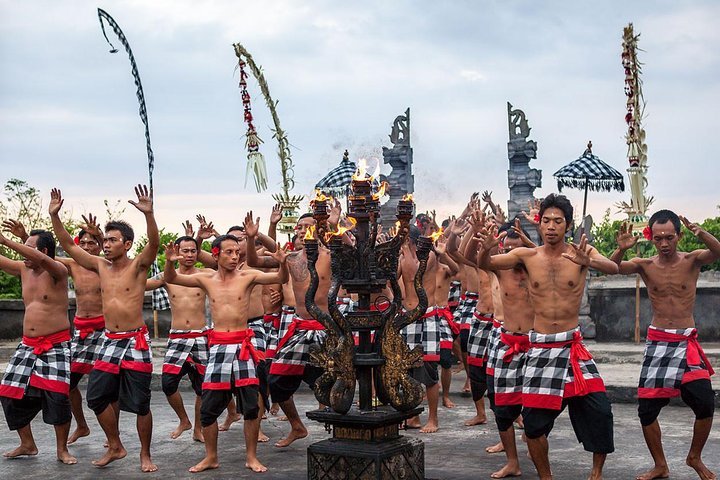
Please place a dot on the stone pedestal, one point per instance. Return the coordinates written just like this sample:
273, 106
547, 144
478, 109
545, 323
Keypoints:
366, 445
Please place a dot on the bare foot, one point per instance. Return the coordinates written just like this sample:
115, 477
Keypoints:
703, 472
255, 466
66, 458
111, 455
447, 403
412, 423
507, 471
476, 420
146, 464
283, 419
430, 427
229, 420
295, 434
656, 472
182, 426
22, 450
77, 434
458, 368
520, 424
466, 387
262, 438
198, 435
497, 448
274, 409
205, 464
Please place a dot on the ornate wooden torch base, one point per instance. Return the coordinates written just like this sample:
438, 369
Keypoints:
366, 445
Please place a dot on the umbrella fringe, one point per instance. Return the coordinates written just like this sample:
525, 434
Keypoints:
595, 185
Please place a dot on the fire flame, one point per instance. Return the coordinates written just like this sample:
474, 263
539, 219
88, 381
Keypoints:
361, 172
434, 236
310, 233
381, 191
320, 196
341, 230
408, 197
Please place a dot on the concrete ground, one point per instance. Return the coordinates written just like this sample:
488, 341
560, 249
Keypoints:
454, 452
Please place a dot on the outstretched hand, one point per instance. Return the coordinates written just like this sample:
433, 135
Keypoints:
172, 252
335, 212
279, 254
625, 238
15, 227
517, 228
206, 229
91, 225
189, 230
144, 203
693, 227
56, 201
276, 214
251, 228
580, 253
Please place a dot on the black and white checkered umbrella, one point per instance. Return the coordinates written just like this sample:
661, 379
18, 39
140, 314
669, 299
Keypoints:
337, 181
589, 173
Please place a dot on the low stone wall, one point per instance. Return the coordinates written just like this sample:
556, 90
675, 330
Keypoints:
612, 307
12, 311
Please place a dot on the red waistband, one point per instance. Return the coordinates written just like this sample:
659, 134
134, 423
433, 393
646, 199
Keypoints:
470, 295
577, 352
45, 342
496, 323
299, 324
694, 351
86, 326
139, 335
189, 334
242, 337
517, 344
483, 317
270, 317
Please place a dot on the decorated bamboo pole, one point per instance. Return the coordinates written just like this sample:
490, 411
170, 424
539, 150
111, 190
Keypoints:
289, 203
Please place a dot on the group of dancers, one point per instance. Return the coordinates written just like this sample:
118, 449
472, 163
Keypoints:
504, 306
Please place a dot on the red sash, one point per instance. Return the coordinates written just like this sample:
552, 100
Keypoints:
44, 343
188, 335
299, 324
694, 350
139, 335
577, 352
242, 337
447, 314
86, 326
517, 344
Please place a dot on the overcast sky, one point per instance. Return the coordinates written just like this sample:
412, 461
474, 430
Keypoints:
342, 71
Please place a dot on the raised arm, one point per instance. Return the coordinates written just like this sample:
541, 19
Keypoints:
56, 269
444, 258
251, 256
172, 254
11, 267
145, 205
155, 282
704, 257
272, 278
205, 231
275, 217
83, 258
16, 228
625, 240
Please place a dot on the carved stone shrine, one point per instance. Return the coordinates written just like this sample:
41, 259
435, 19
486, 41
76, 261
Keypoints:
400, 157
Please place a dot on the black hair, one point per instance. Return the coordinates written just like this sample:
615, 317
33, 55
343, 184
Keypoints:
561, 202
186, 238
294, 237
305, 215
123, 227
236, 227
414, 234
445, 223
84, 232
507, 227
664, 216
45, 241
218, 240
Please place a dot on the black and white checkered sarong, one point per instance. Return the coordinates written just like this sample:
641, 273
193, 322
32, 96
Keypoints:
427, 332
466, 308
454, 294
125, 353
549, 375
48, 370
492, 349
225, 369
181, 350
86, 345
508, 371
293, 352
478, 338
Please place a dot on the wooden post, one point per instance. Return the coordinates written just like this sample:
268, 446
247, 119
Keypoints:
155, 324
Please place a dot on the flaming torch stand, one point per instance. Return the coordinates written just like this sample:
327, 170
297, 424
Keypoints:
366, 441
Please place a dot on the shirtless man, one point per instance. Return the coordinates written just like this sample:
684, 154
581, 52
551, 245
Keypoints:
123, 370
187, 350
427, 331
674, 362
38, 374
517, 321
232, 358
559, 371
443, 277
476, 322
291, 366
89, 322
